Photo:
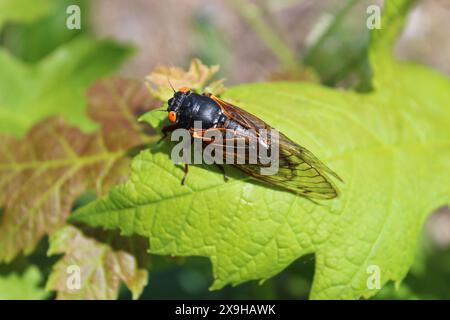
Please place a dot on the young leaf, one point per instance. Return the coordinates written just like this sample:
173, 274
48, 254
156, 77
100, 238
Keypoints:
391, 147
55, 85
22, 287
103, 259
42, 174
195, 78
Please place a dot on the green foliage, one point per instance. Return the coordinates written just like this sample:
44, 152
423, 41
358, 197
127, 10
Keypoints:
389, 146
46, 67
31, 42
23, 10
432, 281
24, 287
56, 84
428, 278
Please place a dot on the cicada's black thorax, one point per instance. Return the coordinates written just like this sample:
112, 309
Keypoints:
191, 107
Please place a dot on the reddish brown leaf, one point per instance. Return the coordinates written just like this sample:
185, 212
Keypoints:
42, 174
101, 259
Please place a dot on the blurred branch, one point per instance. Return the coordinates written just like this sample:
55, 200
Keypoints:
255, 18
286, 4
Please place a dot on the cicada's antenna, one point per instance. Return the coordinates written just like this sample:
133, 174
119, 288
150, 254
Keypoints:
170, 84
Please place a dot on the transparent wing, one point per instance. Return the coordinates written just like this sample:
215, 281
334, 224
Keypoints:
299, 171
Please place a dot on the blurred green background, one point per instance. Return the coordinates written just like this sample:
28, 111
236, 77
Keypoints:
321, 41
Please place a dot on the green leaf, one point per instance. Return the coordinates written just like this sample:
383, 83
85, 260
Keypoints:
23, 287
23, 10
391, 147
31, 42
154, 118
55, 85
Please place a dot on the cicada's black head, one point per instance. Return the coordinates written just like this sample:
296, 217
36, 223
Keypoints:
179, 107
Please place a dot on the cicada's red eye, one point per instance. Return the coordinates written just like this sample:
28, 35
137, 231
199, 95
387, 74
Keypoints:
172, 116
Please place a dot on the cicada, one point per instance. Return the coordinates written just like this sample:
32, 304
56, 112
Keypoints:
299, 171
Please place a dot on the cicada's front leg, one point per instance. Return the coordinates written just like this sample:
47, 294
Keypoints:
186, 170
222, 169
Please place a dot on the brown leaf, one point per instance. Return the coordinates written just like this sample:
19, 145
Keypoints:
42, 174
102, 258
195, 78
